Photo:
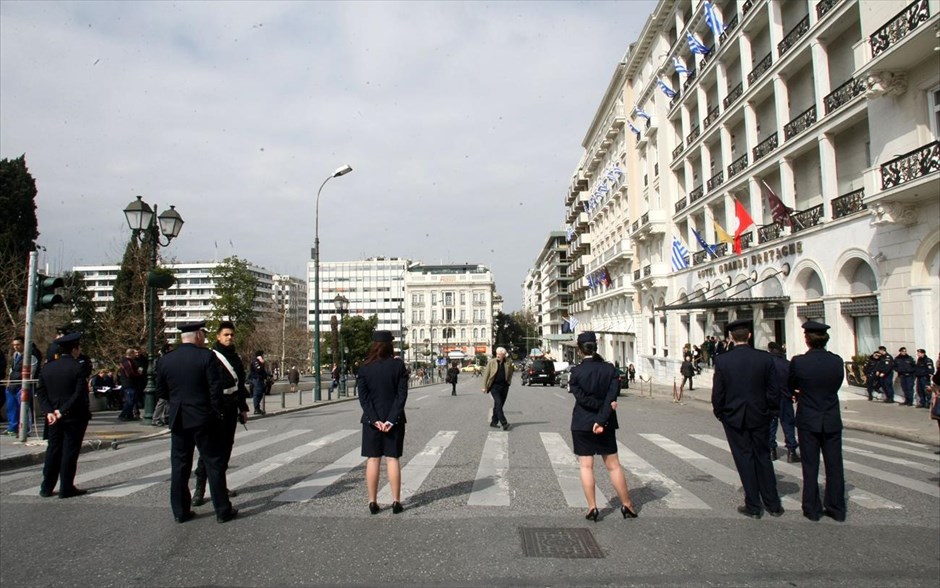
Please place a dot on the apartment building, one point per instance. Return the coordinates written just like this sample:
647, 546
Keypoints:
546, 297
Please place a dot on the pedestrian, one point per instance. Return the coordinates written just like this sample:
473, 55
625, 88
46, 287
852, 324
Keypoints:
234, 404
128, 378
594, 384
258, 376
382, 383
632, 372
904, 365
497, 377
872, 379
687, 370
744, 398
452, 374
923, 370
785, 417
935, 397
334, 378
293, 378
815, 379
159, 409
142, 364
13, 388
188, 377
884, 370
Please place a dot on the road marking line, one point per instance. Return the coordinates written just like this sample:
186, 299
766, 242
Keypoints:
915, 485
308, 488
859, 497
420, 398
930, 469
559, 395
490, 485
418, 468
911, 452
671, 493
567, 470
248, 473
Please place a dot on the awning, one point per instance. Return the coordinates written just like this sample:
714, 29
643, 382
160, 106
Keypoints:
456, 355
724, 302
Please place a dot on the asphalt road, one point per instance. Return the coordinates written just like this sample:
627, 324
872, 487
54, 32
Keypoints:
472, 494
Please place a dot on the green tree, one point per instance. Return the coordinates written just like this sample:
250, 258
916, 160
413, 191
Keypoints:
526, 330
82, 313
356, 336
19, 230
235, 290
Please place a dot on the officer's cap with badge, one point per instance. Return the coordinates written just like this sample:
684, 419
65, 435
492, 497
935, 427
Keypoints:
66, 343
193, 327
740, 324
382, 336
587, 337
815, 327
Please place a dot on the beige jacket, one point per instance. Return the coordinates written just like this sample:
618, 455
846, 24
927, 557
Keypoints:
489, 373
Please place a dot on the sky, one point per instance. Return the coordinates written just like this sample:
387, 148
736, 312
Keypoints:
462, 122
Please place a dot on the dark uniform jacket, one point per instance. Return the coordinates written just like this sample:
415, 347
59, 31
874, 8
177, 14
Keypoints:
781, 372
924, 367
904, 365
885, 364
62, 386
745, 391
594, 385
817, 376
188, 378
383, 390
236, 398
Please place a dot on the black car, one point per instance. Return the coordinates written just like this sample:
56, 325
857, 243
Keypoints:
540, 371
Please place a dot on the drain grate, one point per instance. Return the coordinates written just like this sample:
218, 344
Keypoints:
560, 542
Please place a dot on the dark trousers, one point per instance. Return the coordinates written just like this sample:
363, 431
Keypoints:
182, 444
499, 394
453, 388
907, 386
923, 399
887, 386
684, 380
226, 433
787, 422
130, 403
257, 388
751, 452
870, 385
830, 444
65, 443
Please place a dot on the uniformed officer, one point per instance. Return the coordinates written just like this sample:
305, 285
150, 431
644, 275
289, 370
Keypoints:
815, 378
745, 395
188, 378
63, 395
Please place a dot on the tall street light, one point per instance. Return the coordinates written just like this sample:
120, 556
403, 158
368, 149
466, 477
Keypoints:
317, 390
146, 227
341, 303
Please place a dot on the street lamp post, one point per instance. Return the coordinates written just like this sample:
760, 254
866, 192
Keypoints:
341, 303
146, 227
317, 389
401, 330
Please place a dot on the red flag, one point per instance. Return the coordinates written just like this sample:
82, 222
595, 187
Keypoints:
781, 213
744, 222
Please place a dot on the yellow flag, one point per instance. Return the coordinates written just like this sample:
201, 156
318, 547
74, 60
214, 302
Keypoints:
721, 235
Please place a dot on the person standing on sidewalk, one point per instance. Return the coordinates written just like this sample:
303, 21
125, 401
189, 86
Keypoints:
785, 417
923, 370
904, 365
815, 379
293, 378
128, 379
62, 392
884, 370
258, 376
744, 398
687, 370
872, 379
497, 377
452, 373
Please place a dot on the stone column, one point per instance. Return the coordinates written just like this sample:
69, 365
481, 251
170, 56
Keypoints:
924, 319
829, 178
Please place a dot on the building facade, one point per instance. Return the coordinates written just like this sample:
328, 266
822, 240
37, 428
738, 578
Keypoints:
547, 298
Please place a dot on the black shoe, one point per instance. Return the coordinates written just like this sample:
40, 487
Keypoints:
494, 425
627, 512
814, 518
773, 454
397, 508
749, 513
73, 492
505, 426
199, 500
374, 508
227, 516
775, 513
832, 515
46, 493
793, 456
592, 515
232, 493
258, 411
187, 516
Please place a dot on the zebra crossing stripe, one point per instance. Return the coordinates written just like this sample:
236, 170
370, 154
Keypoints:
915, 485
246, 474
859, 497
712, 468
671, 493
308, 488
930, 469
139, 484
566, 468
905, 451
418, 468
490, 486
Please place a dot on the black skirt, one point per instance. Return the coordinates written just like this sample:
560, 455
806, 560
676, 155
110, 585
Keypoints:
378, 444
587, 443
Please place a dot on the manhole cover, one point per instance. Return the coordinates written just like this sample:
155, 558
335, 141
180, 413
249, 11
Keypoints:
560, 542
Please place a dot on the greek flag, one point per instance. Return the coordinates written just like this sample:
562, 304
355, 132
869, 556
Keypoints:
713, 20
573, 322
680, 255
695, 46
569, 234
634, 129
669, 92
616, 169
640, 112
680, 67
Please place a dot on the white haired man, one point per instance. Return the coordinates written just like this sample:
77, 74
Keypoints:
496, 380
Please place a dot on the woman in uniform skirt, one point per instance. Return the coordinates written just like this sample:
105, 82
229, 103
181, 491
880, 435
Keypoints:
382, 381
595, 387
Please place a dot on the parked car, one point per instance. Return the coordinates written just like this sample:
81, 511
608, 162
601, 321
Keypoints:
540, 371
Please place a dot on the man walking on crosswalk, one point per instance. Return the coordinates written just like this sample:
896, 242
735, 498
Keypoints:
496, 380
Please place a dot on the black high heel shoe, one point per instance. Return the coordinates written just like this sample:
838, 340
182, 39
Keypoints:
627, 512
397, 507
374, 508
592, 515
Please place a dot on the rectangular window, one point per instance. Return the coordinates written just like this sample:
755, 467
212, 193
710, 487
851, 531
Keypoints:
933, 101
448, 298
433, 297
867, 334
463, 297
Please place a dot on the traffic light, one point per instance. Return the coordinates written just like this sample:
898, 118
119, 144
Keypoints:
46, 296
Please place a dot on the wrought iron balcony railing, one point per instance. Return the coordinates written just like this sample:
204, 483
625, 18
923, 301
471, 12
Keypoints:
706, 59
712, 116
765, 147
699, 257
733, 95
746, 7
645, 219
843, 94
805, 219
760, 69
647, 271
721, 249
823, 7
769, 232
674, 101
849, 203
791, 38
689, 79
746, 240
911, 166
715, 181
636, 226
693, 134
678, 150
681, 204
898, 27
737, 166
729, 26
803, 121
697, 193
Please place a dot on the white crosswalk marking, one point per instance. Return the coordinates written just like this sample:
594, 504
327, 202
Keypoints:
133, 486
246, 474
915, 485
672, 494
418, 468
490, 486
308, 489
859, 497
910, 452
714, 469
895, 460
567, 468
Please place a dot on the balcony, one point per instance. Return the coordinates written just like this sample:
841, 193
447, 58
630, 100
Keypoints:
760, 69
898, 27
712, 117
729, 26
681, 204
747, 239
706, 59
737, 166
636, 275
647, 271
693, 135
699, 257
769, 232
652, 275
803, 121
805, 219
652, 222
823, 7
746, 7
678, 150
674, 101
733, 95
715, 181
696, 194
795, 34
765, 147
849, 204
843, 94
910, 166
689, 79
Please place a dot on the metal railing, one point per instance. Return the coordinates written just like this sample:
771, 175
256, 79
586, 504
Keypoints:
689, 79
645, 219
795, 34
849, 203
769, 232
803, 121
737, 166
696, 194
765, 147
910, 166
647, 271
678, 150
746, 7
699, 257
636, 275
760, 69
712, 116
681, 204
823, 7
693, 134
805, 219
843, 94
733, 95
898, 27
716, 180
746, 240
729, 26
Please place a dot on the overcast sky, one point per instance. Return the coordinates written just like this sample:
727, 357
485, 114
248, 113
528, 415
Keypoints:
462, 121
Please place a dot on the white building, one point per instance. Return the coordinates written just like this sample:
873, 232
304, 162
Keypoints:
545, 296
